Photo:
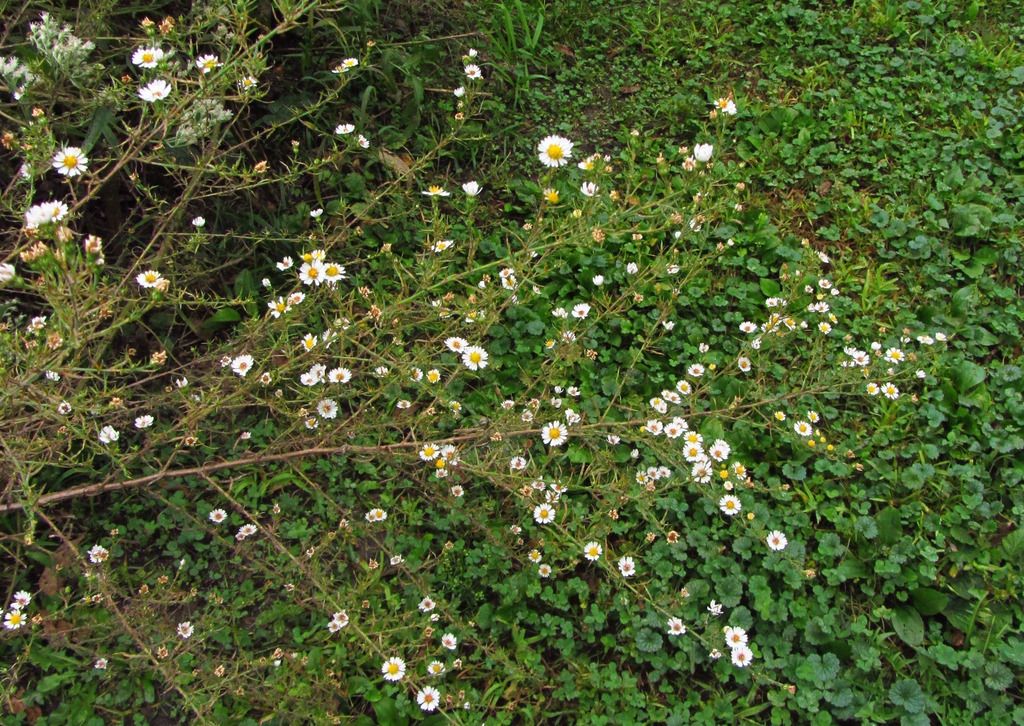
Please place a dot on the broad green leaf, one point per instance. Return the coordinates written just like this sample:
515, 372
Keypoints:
890, 526
908, 695
966, 375
908, 625
928, 601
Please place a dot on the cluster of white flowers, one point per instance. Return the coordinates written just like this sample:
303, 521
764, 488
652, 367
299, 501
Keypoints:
15, 616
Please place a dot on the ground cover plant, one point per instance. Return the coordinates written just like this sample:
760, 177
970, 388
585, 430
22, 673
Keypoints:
598, 362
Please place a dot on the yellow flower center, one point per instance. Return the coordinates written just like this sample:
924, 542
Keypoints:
475, 357
554, 432
392, 668
434, 189
148, 57
551, 196
555, 151
70, 161
150, 277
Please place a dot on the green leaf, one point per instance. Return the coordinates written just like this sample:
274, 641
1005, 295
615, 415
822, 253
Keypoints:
998, 677
928, 601
970, 220
100, 126
770, 287
890, 526
54, 681
648, 640
579, 454
966, 375
387, 713
1013, 545
220, 319
908, 625
908, 695
945, 655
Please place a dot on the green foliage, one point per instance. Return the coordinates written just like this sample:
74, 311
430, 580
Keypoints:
866, 198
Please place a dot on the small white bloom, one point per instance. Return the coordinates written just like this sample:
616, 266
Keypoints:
428, 698
155, 91
70, 161
147, 57
702, 152
554, 151
742, 656
393, 669
776, 541
98, 554
108, 435
241, 365
206, 63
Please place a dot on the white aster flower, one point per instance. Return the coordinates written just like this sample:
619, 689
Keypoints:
148, 57
206, 63
554, 151
155, 91
108, 435
393, 669
428, 698
70, 161
776, 541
